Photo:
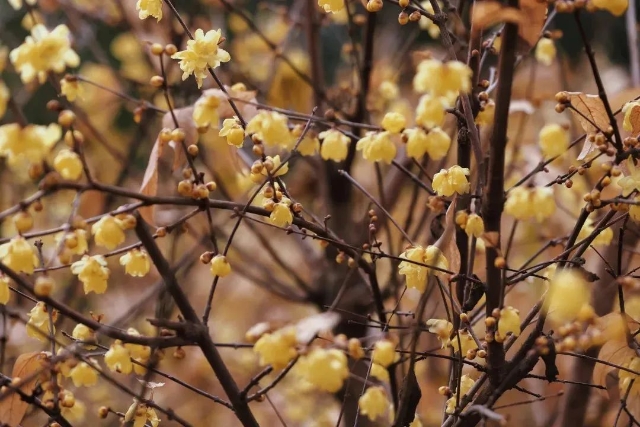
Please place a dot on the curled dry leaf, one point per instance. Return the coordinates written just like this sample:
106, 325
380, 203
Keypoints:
616, 350
530, 29
240, 97
447, 242
149, 185
184, 117
488, 13
309, 327
634, 119
590, 112
26, 367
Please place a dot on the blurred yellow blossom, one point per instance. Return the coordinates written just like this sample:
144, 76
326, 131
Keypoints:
281, 214
84, 375
431, 111
39, 325
452, 180
486, 114
4, 98
68, 164
442, 79
474, 226
602, 239
442, 329
220, 266
379, 372
373, 403
278, 348
325, 369
384, 353
553, 140
108, 232
5, 291
394, 122
377, 147
615, 7
271, 128
332, 6
568, 293
630, 183
427, 24
136, 262
32, 142
74, 241
205, 111
84, 333
92, 271
201, 53
545, 51
466, 342
509, 322
435, 143
335, 145
118, 358
19, 255
148, 8
232, 130
466, 383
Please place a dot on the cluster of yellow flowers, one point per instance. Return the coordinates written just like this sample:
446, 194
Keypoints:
553, 140
526, 203
325, 369
201, 54
120, 356
450, 181
415, 274
278, 348
39, 325
466, 383
31, 143
472, 224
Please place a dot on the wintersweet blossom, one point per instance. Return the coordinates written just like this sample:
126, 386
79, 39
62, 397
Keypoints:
220, 266
602, 239
232, 130
335, 145
486, 114
553, 140
278, 348
394, 122
415, 274
509, 322
568, 293
442, 329
466, 383
4, 98
84, 333
19, 255
474, 226
631, 182
68, 164
431, 111
201, 53
31, 143
435, 143
309, 145
384, 353
377, 147
108, 232
526, 203
325, 369
75, 410
147, 8
332, 6
137, 351
136, 262
71, 89
17, 4
272, 128
379, 372
615, 7
84, 374
442, 79
373, 403
452, 180
205, 111
427, 24
5, 291
74, 241
39, 325
545, 51
92, 271
118, 358
463, 341
281, 214
142, 415
44, 51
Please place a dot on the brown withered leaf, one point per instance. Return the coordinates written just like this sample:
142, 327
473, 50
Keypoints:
225, 110
591, 112
616, 350
530, 29
634, 119
13, 408
184, 117
447, 242
588, 148
149, 185
485, 14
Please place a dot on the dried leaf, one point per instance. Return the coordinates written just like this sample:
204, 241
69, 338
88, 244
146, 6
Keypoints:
447, 242
248, 111
521, 106
309, 327
13, 408
616, 352
530, 29
634, 119
149, 185
588, 148
591, 112
184, 117
488, 13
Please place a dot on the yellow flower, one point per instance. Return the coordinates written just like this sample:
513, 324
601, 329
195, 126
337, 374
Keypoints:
486, 114
634, 210
148, 8
84, 333
545, 51
388, 90
625, 378
277, 349
543, 202
271, 128
384, 353
466, 384
379, 372
4, 98
615, 7
427, 24
452, 180
39, 325
44, 51
272, 164
416, 275
568, 293
32, 142
377, 146
394, 122
74, 241
17, 4
335, 145
373, 403
137, 351
5, 292
435, 143
474, 226
431, 111
325, 369
118, 359
442, 329
75, 411
201, 53
232, 130
442, 79
631, 182
281, 214
466, 342
68, 164
603, 239
524, 203
108, 232
205, 111
83, 375
142, 414
553, 140
71, 89
309, 145
92, 271
509, 322
19, 255
136, 262
332, 6
626, 109
220, 266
